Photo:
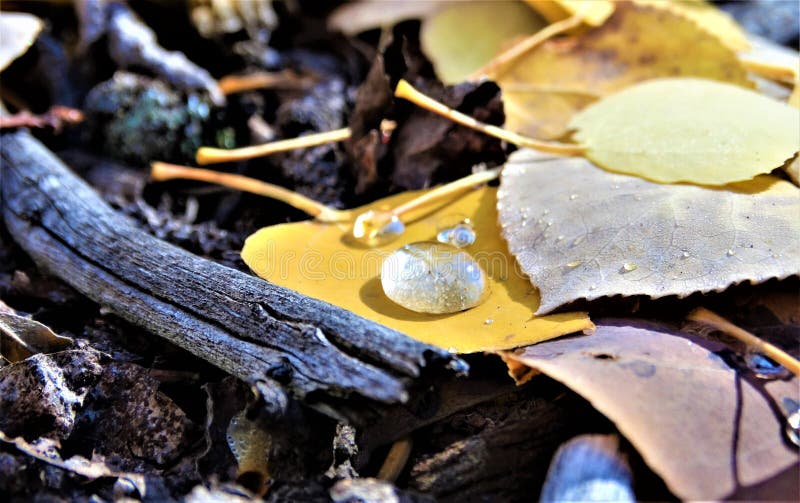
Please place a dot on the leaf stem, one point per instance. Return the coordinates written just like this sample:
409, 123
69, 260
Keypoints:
162, 171
712, 319
408, 92
449, 189
209, 155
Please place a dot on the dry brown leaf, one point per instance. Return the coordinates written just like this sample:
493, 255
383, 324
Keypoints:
636, 43
21, 337
581, 232
321, 261
47, 450
18, 31
703, 428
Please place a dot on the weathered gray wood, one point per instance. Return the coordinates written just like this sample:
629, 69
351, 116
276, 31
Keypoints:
251, 328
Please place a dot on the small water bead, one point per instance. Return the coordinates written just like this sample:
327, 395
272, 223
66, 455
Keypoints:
573, 264
792, 427
763, 367
629, 266
429, 277
573, 197
488, 321
375, 228
685, 254
460, 236
730, 253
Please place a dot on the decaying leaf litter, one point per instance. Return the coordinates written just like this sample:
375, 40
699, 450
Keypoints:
694, 213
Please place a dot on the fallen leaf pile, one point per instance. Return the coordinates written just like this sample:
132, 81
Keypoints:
673, 196
320, 260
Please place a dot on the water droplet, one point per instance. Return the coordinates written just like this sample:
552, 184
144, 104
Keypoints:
573, 264
488, 321
685, 254
763, 367
615, 186
550, 223
578, 240
524, 223
629, 266
560, 238
638, 198
429, 277
375, 228
793, 427
730, 253
573, 197
546, 212
592, 287
460, 236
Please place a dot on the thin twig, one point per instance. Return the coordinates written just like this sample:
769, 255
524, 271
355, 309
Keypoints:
780, 356
286, 79
396, 460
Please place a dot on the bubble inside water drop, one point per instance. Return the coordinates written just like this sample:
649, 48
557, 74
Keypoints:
460, 236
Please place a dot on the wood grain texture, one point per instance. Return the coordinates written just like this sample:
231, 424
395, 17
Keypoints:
257, 331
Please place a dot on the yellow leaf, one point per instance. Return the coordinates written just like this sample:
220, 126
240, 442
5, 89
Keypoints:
771, 61
689, 130
458, 40
320, 261
594, 12
543, 88
707, 17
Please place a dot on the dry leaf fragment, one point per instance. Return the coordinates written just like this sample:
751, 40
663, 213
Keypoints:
18, 31
545, 87
688, 130
691, 416
771, 60
21, 337
589, 233
47, 450
318, 260
461, 38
